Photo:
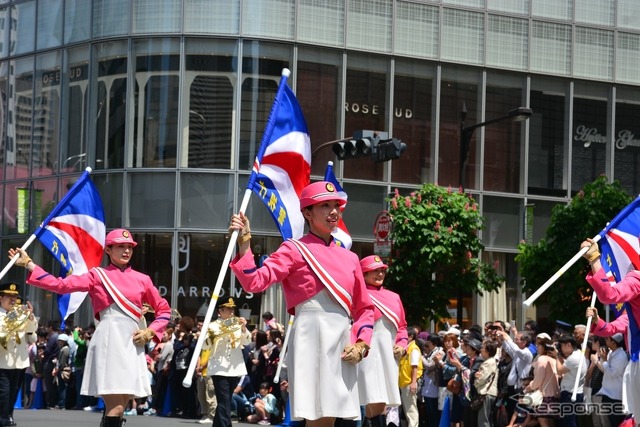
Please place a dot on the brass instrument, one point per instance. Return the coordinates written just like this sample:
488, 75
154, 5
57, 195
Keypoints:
227, 327
11, 324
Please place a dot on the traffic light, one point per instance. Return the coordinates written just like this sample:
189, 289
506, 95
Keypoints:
362, 144
389, 149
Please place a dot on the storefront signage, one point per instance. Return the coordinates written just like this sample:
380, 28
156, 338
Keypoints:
204, 291
53, 77
591, 135
374, 110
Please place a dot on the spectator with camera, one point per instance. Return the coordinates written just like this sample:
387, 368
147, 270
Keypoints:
521, 359
569, 359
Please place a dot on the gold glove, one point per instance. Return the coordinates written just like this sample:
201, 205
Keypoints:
24, 259
593, 253
143, 336
398, 352
355, 353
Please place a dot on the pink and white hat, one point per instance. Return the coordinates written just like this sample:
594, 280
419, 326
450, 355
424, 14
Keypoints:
118, 236
320, 191
372, 262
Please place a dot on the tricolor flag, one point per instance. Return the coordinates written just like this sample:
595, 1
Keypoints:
282, 166
619, 245
74, 233
341, 234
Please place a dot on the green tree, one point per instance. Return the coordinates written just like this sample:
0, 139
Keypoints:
585, 216
435, 243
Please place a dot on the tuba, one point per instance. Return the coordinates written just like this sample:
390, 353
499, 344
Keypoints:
11, 324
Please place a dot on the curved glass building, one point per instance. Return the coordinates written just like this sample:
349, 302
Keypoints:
167, 99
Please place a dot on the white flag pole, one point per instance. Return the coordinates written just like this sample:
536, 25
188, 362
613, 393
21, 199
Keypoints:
557, 274
584, 349
283, 352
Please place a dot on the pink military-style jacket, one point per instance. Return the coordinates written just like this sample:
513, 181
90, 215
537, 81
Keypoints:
300, 283
392, 302
135, 286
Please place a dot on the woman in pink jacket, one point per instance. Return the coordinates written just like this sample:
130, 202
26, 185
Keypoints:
324, 287
378, 373
115, 367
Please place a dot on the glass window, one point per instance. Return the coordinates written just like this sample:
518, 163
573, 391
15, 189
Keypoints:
593, 43
318, 83
23, 37
463, 36
589, 136
156, 112
111, 17
269, 18
627, 49
212, 16
157, 16
199, 257
417, 30
365, 109
471, 3
7, 152
210, 79
77, 20
554, 9
627, 139
27, 203
548, 128
46, 114
20, 119
321, 22
550, 48
503, 140
369, 24
628, 14
153, 256
262, 67
512, 6
599, 12
412, 119
5, 30
151, 200
110, 104
73, 151
206, 200
110, 187
458, 92
50, 14
365, 201
541, 211
502, 217
508, 42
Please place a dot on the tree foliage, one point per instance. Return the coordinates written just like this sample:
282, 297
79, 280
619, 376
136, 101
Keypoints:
585, 216
436, 244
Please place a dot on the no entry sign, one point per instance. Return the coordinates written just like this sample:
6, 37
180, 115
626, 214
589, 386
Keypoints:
382, 227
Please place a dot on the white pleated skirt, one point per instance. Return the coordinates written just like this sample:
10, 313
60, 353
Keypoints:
631, 389
114, 364
320, 383
378, 372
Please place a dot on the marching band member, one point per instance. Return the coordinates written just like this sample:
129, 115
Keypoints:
324, 288
115, 367
17, 330
226, 336
378, 373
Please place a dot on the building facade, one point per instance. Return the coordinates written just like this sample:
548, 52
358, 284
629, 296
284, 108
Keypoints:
167, 99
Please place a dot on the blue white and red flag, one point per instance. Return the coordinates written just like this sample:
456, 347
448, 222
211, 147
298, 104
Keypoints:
619, 246
341, 234
282, 166
74, 234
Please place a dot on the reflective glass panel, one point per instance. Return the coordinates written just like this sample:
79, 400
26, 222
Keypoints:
50, 14
547, 142
77, 20
210, 80
627, 139
365, 202
412, 119
212, 16
110, 187
206, 200
110, 104
23, 36
152, 200
156, 16
20, 119
5, 31
502, 216
5, 149
155, 121
111, 17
